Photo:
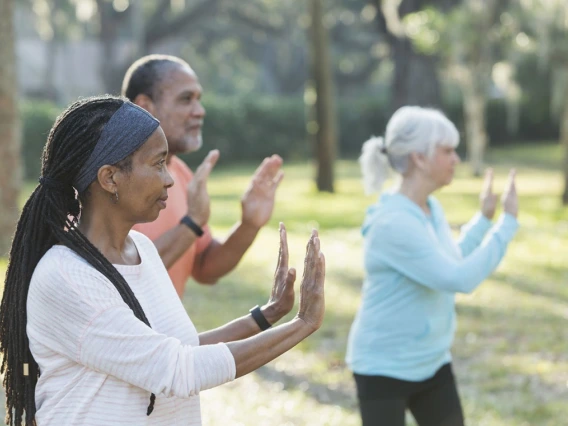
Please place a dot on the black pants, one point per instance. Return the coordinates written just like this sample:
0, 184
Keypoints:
434, 402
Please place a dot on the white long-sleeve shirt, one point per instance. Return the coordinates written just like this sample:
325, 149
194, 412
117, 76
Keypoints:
99, 363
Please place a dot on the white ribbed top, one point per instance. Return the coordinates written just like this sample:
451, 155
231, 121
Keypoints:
99, 363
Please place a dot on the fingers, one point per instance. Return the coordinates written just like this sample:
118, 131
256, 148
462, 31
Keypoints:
312, 251
510, 186
278, 179
204, 169
320, 274
283, 257
512, 176
313, 245
488, 183
268, 169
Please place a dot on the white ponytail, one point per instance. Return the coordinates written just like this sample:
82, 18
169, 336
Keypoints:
374, 165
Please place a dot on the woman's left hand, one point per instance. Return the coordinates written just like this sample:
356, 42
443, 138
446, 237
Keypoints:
282, 298
487, 198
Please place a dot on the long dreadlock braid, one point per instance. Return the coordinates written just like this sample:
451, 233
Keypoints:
50, 216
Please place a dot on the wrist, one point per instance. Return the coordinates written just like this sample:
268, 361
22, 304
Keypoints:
197, 219
260, 319
192, 225
249, 227
307, 327
271, 313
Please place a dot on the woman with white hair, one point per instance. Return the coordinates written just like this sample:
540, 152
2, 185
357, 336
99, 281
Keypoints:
399, 344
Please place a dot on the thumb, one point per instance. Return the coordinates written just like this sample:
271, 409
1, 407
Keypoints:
290, 279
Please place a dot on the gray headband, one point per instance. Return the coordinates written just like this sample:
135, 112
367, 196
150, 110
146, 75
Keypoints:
128, 128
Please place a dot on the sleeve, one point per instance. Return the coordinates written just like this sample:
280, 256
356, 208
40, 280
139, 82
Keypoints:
89, 323
406, 246
472, 233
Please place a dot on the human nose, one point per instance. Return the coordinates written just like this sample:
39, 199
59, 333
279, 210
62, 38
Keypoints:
168, 179
199, 110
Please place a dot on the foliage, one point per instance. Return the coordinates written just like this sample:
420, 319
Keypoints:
37, 119
246, 129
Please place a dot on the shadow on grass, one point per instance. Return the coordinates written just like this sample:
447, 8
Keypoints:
501, 317
320, 392
538, 286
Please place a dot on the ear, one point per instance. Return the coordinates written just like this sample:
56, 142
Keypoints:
419, 160
145, 102
107, 177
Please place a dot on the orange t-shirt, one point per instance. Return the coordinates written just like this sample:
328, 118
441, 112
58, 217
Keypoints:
176, 208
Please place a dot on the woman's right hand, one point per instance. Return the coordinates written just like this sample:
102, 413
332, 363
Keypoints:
509, 199
312, 300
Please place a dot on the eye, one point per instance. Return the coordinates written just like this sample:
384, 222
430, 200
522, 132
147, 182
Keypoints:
161, 163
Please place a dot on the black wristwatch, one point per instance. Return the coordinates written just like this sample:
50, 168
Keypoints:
187, 221
259, 318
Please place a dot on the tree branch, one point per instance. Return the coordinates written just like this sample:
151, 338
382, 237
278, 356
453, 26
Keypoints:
161, 29
256, 24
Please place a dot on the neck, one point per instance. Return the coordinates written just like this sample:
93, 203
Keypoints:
417, 189
108, 236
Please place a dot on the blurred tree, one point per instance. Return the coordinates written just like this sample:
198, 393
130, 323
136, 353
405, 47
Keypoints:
324, 126
468, 39
10, 173
546, 26
236, 47
544, 30
415, 75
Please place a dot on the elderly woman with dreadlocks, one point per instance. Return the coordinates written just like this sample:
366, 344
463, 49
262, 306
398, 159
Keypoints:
91, 329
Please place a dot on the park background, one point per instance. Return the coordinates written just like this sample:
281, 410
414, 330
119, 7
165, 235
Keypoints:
311, 81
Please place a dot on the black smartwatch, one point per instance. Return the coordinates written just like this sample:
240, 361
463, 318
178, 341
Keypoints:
259, 318
187, 221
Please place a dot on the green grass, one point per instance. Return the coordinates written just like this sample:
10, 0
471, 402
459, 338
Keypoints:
511, 347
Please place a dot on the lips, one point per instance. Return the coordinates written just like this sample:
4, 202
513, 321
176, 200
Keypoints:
162, 201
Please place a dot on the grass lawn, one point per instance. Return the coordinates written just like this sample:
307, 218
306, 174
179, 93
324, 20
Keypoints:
511, 347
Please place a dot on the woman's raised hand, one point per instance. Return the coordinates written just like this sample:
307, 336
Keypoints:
282, 297
509, 199
488, 198
312, 300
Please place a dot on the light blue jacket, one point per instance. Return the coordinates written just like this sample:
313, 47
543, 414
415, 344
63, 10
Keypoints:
405, 325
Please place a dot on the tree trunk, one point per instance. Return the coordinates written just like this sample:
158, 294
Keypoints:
476, 136
11, 172
415, 79
325, 113
415, 76
564, 142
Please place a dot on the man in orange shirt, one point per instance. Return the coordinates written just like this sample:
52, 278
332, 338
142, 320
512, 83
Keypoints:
168, 88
